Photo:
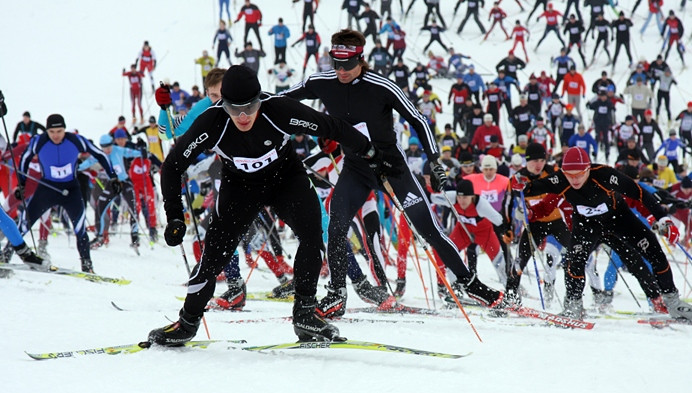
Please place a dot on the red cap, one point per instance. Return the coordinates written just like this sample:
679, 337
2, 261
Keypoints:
689, 104
575, 159
569, 107
648, 112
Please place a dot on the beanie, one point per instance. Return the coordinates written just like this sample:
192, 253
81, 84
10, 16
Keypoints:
106, 140
516, 160
55, 121
240, 85
686, 182
489, 162
465, 187
413, 141
535, 151
575, 159
120, 133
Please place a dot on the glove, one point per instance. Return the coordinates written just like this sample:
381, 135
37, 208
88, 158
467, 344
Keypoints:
116, 186
382, 163
667, 228
651, 220
19, 192
508, 237
163, 96
175, 232
438, 177
519, 182
327, 146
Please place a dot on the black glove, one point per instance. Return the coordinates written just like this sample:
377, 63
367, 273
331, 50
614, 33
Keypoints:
175, 232
382, 163
438, 177
3, 107
19, 192
116, 186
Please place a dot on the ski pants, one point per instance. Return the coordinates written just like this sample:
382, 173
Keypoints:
620, 43
44, 198
662, 96
475, 17
239, 202
627, 236
350, 193
106, 199
254, 27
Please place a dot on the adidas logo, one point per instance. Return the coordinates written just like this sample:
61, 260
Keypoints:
411, 199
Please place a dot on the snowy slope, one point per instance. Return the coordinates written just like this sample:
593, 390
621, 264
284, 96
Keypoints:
67, 57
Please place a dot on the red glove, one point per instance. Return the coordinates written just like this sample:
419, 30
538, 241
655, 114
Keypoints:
519, 182
651, 220
328, 146
163, 96
667, 228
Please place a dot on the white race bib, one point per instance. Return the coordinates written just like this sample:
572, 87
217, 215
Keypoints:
251, 165
489, 195
362, 127
588, 211
60, 172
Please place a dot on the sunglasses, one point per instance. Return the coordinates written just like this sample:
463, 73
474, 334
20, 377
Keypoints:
248, 109
575, 175
347, 64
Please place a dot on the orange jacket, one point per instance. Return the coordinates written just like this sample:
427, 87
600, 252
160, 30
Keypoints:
573, 84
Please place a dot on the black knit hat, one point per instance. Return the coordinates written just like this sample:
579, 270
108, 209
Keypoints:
465, 187
535, 151
240, 85
55, 121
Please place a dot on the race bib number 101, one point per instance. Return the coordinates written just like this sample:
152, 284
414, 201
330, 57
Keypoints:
251, 165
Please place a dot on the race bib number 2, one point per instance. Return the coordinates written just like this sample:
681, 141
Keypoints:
251, 165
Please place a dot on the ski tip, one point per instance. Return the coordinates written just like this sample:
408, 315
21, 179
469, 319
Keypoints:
145, 344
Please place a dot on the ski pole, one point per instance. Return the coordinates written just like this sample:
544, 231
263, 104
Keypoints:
532, 245
182, 248
420, 240
3, 112
64, 192
622, 277
675, 262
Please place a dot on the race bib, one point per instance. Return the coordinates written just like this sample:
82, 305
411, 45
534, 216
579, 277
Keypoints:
251, 60
489, 195
603, 110
639, 97
468, 220
588, 211
362, 127
562, 70
659, 183
138, 169
61, 172
533, 97
251, 165
523, 117
573, 85
567, 124
582, 144
117, 169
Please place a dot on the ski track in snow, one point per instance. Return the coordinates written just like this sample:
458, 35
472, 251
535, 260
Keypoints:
67, 56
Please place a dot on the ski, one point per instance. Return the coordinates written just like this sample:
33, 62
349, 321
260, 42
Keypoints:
122, 349
551, 318
268, 296
67, 272
398, 309
340, 319
664, 321
357, 345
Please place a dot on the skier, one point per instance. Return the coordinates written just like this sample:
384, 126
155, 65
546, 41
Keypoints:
57, 153
312, 45
675, 30
140, 174
518, 32
649, 128
563, 63
551, 24
369, 17
367, 100
309, 9
603, 27
603, 109
281, 33
248, 130
602, 216
253, 20
435, 32
575, 27
135, 79
622, 26
147, 62
250, 56
27, 126
224, 38
665, 82
511, 64
471, 10
498, 15
206, 62
575, 88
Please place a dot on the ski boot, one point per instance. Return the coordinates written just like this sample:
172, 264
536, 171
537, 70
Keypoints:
177, 333
286, 289
31, 259
97, 242
574, 308
153, 235
605, 301
334, 304
42, 249
658, 305
400, 288
495, 300
87, 266
368, 293
234, 298
676, 307
310, 327
548, 292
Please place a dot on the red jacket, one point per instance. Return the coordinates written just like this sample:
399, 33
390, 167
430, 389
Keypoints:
573, 84
252, 14
550, 16
481, 138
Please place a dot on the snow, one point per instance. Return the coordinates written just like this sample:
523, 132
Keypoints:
67, 57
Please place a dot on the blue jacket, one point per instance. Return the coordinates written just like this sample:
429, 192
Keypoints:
474, 81
116, 159
670, 148
586, 142
389, 29
281, 34
183, 123
59, 162
505, 83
